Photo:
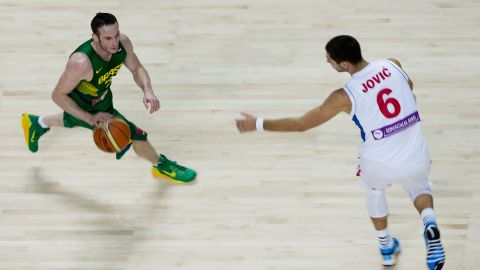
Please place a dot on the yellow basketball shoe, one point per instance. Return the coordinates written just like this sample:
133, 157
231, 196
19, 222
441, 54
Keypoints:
169, 169
32, 131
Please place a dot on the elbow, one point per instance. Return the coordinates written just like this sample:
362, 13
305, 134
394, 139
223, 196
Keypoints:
302, 127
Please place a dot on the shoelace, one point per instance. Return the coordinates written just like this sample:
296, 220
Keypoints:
435, 250
173, 164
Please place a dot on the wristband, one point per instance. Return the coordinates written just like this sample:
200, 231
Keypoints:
259, 124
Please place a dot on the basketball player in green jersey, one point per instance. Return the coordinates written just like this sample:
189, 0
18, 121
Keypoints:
83, 92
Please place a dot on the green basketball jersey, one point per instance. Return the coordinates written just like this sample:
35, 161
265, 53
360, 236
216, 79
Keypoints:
96, 95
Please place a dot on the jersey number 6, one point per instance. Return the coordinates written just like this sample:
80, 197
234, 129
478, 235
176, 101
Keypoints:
383, 104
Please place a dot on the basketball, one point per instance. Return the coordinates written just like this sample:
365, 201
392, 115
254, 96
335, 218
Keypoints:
113, 136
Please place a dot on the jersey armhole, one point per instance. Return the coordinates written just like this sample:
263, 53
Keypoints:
352, 100
405, 76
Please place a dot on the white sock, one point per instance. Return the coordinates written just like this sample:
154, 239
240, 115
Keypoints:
428, 216
384, 238
41, 123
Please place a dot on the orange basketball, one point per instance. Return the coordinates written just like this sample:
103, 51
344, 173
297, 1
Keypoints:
112, 136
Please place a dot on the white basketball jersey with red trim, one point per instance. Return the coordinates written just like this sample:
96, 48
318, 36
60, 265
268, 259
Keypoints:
384, 108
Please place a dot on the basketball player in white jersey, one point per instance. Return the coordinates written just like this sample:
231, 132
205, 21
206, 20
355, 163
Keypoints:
380, 100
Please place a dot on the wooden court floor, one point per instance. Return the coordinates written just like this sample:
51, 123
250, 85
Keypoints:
262, 201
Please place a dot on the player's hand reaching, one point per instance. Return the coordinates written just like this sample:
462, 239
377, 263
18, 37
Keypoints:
100, 117
151, 101
247, 123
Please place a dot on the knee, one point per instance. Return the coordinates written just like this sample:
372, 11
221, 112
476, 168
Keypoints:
414, 192
377, 203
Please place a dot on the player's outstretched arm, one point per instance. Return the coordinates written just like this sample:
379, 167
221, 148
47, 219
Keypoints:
140, 75
338, 101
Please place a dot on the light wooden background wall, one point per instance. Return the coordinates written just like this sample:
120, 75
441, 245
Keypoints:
262, 201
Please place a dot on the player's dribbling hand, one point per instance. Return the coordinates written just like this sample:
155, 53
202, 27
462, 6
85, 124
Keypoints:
151, 101
99, 118
247, 123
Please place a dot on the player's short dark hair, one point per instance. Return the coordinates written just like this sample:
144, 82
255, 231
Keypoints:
344, 48
100, 20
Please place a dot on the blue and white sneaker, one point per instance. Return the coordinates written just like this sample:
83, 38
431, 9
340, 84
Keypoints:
435, 252
389, 255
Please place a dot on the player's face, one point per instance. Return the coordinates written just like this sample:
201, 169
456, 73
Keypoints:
109, 38
334, 64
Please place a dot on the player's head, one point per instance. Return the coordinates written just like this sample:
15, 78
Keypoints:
343, 51
105, 32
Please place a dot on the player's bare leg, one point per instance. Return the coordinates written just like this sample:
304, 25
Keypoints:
377, 207
53, 120
435, 253
145, 150
389, 246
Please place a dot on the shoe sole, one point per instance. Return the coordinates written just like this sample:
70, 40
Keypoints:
394, 260
26, 124
157, 174
391, 263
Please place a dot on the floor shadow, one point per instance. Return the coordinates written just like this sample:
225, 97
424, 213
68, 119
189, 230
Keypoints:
111, 218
